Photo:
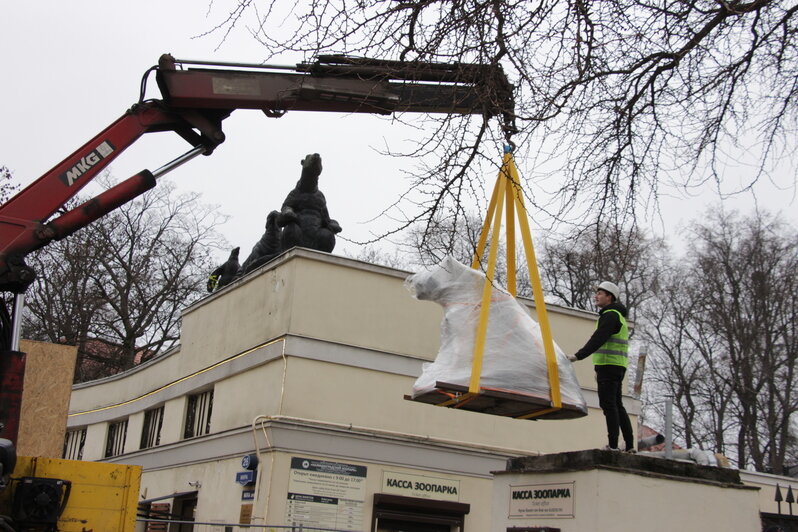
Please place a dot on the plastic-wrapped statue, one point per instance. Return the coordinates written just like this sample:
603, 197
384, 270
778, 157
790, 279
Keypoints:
514, 357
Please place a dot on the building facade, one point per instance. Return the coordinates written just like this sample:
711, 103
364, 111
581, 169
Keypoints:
285, 404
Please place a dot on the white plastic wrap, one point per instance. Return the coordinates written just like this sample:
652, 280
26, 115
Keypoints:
514, 358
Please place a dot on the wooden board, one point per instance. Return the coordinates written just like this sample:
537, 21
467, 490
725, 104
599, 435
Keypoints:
49, 369
497, 402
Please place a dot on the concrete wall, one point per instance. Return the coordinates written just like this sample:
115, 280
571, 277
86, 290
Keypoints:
767, 492
604, 490
250, 312
219, 497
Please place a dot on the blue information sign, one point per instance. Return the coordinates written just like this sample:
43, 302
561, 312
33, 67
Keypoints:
245, 477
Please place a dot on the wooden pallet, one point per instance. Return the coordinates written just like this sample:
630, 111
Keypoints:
496, 401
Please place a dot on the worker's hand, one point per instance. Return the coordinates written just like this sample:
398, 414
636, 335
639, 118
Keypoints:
572, 358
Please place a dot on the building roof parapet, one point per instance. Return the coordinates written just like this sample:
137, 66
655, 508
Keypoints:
624, 462
349, 262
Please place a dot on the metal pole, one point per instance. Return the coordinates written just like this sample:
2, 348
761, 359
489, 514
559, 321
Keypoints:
168, 167
16, 320
669, 428
292, 528
641, 368
233, 64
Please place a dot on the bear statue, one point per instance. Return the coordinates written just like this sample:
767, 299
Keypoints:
266, 248
304, 218
224, 274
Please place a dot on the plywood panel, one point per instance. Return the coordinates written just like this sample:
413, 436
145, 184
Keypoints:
45, 399
497, 402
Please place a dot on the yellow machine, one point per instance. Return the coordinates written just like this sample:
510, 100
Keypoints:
72, 496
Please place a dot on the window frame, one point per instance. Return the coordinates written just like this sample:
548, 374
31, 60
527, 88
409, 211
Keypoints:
69, 444
199, 409
114, 445
151, 428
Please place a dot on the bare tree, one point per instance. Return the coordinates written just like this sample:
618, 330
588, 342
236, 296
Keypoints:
375, 255
7, 189
116, 288
571, 265
726, 339
681, 366
429, 244
617, 98
64, 301
747, 296
574, 263
7, 185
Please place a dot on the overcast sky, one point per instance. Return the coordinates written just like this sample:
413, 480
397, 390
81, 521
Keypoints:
72, 68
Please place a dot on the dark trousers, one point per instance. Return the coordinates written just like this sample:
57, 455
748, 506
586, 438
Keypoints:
609, 380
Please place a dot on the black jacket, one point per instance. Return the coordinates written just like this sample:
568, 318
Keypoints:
608, 324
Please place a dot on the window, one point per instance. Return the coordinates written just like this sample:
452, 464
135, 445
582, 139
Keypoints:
151, 431
73, 444
155, 511
198, 414
117, 433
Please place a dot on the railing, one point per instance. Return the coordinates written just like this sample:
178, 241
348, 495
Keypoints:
200, 526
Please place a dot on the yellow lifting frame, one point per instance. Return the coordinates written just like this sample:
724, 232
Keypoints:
508, 191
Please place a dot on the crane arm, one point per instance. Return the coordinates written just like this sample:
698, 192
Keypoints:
195, 102
196, 98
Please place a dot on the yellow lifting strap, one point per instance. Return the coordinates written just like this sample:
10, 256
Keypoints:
507, 192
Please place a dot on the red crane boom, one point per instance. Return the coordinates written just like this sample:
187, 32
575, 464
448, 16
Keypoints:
197, 97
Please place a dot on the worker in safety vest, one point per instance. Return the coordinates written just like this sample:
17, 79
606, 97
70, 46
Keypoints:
609, 346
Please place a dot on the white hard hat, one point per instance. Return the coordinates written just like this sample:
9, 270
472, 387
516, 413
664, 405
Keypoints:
612, 288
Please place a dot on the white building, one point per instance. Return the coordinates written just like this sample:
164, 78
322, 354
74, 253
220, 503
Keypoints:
305, 364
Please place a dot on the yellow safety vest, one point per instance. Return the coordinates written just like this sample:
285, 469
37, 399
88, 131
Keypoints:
615, 351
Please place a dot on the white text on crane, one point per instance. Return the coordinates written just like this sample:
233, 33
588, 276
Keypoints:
86, 163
